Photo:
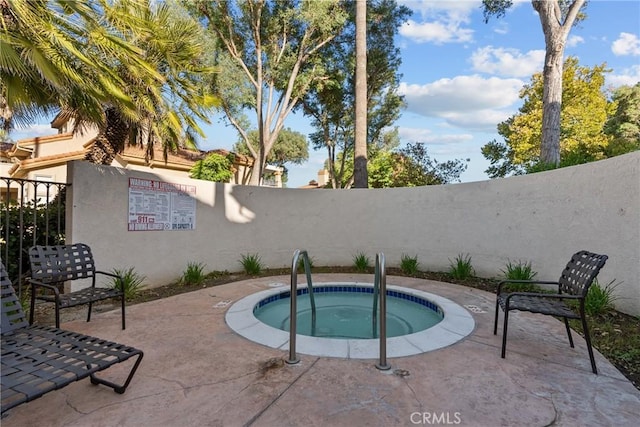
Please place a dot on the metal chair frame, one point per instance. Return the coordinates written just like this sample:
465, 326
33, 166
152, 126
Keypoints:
573, 285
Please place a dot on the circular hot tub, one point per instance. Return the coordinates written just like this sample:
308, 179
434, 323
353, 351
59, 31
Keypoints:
448, 322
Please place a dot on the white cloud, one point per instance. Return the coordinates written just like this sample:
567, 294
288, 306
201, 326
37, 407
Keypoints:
574, 41
626, 77
439, 21
501, 28
507, 62
627, 44
473, 103
435, 32
427, 136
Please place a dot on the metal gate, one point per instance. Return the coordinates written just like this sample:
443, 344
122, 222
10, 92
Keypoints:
31, 213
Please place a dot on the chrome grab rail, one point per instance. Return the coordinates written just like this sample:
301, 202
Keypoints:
293, 311
380, 291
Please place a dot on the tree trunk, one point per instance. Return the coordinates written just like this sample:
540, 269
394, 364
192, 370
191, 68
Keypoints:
552, 105
110, 141
555, 35
360, 155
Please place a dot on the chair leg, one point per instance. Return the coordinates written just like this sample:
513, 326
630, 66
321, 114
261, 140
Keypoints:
123, 322
504, 333
33, 306
566, 324
89, 312
587, 338
495, 320
117, 387
57, 316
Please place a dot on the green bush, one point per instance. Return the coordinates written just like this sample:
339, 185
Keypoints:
215, 167
520, 270
361, 262
133, 282
42, 224
600, 299
461, 267
193, 275
301, 264
408, 264
252, 264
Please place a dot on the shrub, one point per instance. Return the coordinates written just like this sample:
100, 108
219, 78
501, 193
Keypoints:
600, 299
133, 282
193, 275
252, 264
408, 264
461, 267
361, 262
520, 270
301, 264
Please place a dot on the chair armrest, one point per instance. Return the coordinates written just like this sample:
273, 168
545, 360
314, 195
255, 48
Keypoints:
35, 283
115, 276
542, 295
528, 282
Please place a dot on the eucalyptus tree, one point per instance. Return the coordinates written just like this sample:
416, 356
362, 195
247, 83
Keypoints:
557, 17
330, 105
585, 112
128, 66
290, 147
269, 55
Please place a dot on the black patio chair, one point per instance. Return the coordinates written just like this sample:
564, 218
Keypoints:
51, 266
573, 285
38, 359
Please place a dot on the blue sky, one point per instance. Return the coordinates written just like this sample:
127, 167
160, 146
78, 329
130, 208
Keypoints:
461, 77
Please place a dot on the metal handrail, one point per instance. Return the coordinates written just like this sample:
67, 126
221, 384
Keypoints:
293, 311
380, 291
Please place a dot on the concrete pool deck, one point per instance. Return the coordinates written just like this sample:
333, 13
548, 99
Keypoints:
198, 372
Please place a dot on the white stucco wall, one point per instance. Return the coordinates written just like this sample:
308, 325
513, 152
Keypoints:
543, 218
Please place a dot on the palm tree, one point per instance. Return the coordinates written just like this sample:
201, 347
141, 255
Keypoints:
133, 69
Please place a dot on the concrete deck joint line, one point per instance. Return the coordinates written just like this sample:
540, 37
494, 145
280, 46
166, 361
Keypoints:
273, 401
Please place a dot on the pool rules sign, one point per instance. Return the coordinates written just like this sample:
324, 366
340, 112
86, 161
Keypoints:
161, 206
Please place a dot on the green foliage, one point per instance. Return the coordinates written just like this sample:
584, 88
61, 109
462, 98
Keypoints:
84, 57
40, 227
133, 282
411, 166
262, 45
461, 267
290, 147
361, 262
193, 275
301, 264
215, 167
585, 110
330, 104
624, 124
409, 264
600, 299
252, 264
520, 270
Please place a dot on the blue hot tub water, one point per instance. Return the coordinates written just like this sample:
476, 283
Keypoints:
346, 312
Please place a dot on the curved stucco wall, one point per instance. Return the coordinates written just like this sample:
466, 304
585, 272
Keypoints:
543, 218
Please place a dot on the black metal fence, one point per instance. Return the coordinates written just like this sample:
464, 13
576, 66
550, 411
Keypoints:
31, 213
